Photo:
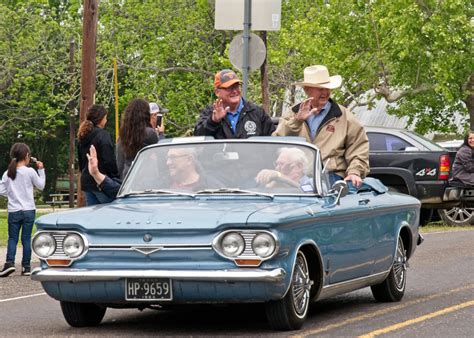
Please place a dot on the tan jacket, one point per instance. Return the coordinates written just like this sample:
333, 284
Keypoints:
340, 137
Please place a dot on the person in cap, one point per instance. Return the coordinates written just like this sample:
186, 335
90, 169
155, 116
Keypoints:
231, 116
331, 127
156, 119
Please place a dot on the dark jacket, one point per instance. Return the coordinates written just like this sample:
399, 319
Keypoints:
463, 166
105, 147
123, 162
110, 187
253, 121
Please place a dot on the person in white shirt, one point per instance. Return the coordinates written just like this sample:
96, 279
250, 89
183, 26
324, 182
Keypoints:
17, 184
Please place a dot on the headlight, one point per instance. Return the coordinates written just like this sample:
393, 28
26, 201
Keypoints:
44, 245
73, 245
232, 244
263, 245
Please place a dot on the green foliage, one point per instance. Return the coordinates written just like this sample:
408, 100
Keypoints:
417, 54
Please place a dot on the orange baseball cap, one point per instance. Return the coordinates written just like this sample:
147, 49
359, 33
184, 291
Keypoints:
225, 78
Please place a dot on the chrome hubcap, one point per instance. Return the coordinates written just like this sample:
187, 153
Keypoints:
301, 285
400, 265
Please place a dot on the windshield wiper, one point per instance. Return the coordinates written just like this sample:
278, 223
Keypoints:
158, 191
233, 191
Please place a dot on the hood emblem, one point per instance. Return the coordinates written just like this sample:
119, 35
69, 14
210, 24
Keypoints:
147, 238
147, 250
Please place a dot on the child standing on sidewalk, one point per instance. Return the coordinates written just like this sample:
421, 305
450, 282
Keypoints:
17, 185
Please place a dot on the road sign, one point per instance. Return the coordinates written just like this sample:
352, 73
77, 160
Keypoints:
257, 51
266, 15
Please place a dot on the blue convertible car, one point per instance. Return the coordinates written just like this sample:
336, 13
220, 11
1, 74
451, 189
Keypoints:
227, 221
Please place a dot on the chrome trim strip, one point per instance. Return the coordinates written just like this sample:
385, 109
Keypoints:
95, 246
161, 247
353, 284
82, 275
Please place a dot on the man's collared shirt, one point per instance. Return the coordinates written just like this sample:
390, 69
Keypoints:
314, 121
233, 117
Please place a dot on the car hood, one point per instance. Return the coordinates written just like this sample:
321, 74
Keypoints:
183, 214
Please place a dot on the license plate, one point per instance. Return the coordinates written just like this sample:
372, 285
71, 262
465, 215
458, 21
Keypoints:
148, 289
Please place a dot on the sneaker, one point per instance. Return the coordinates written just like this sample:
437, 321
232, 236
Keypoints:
8, 269
25, 271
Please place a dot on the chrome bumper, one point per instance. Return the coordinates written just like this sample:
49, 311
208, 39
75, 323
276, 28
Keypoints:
80, 275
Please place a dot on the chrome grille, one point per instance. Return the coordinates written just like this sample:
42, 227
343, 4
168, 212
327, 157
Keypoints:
59, 238
248, 238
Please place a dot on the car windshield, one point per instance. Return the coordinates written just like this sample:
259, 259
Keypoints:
225, 167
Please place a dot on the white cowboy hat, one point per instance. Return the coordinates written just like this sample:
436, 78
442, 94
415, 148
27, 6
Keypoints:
318, 76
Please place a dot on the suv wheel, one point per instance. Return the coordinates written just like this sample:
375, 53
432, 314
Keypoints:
457, 216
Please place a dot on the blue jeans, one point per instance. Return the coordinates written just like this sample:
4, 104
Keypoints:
333, 178
96, 197
20, 220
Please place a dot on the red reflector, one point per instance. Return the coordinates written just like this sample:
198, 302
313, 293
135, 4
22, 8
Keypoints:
444, 165
58, 262
248, 262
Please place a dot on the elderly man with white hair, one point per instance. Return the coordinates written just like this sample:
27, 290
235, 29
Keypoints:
330, 126
291, 166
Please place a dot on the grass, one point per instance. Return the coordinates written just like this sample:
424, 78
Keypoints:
432, 227
440, 226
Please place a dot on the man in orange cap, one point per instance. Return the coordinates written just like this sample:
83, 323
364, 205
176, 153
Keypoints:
231, 116
331, 127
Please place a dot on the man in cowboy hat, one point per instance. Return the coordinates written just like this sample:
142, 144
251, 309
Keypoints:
330, 126
231, 116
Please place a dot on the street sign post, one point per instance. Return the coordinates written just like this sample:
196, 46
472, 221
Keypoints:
262, 15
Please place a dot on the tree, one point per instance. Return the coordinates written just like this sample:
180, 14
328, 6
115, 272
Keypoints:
418, 54
35, 86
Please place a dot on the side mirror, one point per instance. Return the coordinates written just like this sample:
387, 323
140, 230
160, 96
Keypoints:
341, 188
338, 189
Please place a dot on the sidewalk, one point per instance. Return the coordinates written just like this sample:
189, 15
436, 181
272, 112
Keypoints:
19, 254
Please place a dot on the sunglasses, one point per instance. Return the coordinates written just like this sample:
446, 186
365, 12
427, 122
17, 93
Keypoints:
231, 88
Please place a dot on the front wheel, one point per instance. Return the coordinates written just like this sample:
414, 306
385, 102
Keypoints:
82, 314
289, 313
392, 288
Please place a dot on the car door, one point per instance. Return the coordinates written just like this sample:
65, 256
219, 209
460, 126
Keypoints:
349, 251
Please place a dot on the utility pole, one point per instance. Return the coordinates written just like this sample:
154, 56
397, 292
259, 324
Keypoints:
88, 68
264, 78
72, 109
246, 38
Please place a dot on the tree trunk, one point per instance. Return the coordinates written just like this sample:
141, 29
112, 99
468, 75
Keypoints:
470, 101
